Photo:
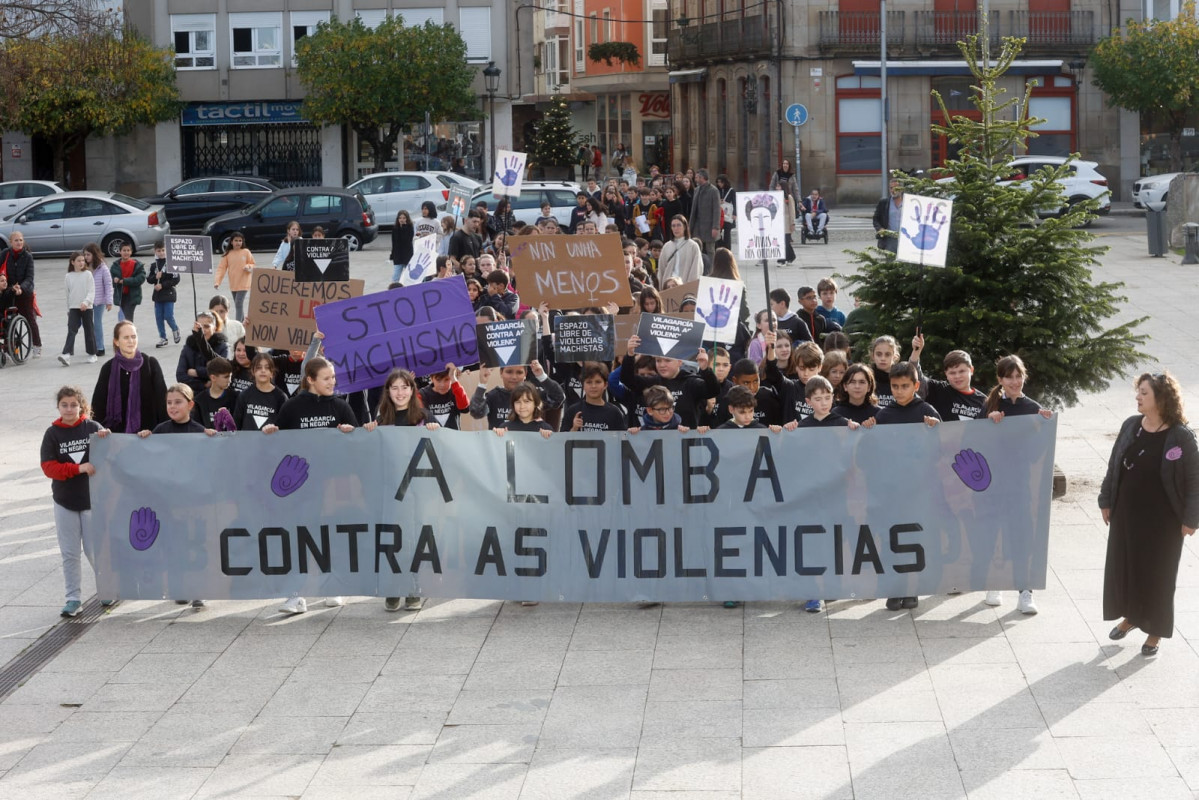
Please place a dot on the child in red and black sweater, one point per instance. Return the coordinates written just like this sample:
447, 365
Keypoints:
64, 461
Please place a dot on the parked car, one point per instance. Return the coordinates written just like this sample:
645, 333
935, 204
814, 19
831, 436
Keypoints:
190, 204
527, 208
341, 212
1153, 191
456, 179
15, 195
67, 221
1082, 181
392, 192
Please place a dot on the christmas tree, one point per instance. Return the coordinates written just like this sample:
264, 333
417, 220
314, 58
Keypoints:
1013, 283
556, 141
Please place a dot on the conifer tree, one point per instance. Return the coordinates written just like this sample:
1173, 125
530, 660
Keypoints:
556, 140
1013, 283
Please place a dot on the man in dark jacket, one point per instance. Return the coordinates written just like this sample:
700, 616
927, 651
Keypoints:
705, 212
466, 241
888, 215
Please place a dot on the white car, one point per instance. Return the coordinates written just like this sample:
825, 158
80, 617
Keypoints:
15, 195
527, 208
389, 193
454, 177
1082, 181
1152, 192
67, 221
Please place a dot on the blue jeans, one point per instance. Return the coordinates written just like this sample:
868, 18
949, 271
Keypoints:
165, 313
98, 327
396, 269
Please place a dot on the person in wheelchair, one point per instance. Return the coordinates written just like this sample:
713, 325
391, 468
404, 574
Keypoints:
8, 298
815, 215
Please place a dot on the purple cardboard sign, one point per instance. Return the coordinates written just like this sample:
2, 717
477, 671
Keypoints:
420, 328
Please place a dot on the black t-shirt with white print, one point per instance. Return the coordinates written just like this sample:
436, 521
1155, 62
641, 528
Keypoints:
256, 408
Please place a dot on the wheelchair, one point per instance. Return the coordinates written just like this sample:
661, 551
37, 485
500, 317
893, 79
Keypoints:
806, 233
16, 338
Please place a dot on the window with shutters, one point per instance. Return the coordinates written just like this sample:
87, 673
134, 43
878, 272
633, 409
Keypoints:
256, 40
303, 23
194, 36
475, 26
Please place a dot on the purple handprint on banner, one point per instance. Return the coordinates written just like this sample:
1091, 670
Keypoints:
143, 528
719, 307
507, 173
930, 220
289, 476
973, 469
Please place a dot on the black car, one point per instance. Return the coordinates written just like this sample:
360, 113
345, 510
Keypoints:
341, 213
190, 204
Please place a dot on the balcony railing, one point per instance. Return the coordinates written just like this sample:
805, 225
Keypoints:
1052, 30
739, 38
942, 30
858, 31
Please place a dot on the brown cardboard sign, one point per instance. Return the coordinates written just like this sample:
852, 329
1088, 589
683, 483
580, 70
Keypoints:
281, 314
570, 272
672, 298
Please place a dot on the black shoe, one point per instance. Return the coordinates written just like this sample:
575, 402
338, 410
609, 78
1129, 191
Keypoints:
910, 602
176, 336
1118, 633
894, 603
1149, 649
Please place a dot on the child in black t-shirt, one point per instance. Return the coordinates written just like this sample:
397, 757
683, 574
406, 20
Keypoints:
593, 412
259, 405
906, 408
180, 402
859, 403
1007, 399
819, 393
659, 411
526, 412
884, 354
954, 398
64, 459
741, 403
444, 399
768, 409
218, 395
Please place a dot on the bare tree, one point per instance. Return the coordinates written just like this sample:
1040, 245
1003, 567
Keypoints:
24, 19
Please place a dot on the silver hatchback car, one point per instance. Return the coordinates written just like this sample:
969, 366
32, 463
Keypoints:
65, 222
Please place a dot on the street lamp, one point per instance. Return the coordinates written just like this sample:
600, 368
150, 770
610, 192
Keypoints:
1076, 68
491, 74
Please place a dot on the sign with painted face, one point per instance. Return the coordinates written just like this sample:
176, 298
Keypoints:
761, 226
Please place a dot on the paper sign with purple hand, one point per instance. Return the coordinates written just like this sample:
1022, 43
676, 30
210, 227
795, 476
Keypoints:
718, 304
509, 173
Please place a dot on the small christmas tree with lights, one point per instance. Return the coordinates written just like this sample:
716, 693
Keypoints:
556, 140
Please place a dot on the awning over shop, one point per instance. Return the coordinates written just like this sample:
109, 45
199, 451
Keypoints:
1048, 66
687, 75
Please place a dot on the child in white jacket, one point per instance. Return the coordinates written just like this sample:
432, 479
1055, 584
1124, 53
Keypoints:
81, 296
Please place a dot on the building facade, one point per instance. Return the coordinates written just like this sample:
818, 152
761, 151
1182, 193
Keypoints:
236, 73
736, 65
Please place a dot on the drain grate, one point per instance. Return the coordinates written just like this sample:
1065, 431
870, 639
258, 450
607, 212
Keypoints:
47, 646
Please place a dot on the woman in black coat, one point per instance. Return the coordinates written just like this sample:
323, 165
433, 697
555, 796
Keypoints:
1150, 498
401, 244
130, 394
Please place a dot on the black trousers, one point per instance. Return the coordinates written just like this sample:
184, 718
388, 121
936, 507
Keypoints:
75, 320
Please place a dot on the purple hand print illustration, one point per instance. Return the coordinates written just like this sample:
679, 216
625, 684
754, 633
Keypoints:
931, 219
289, 476
973, 469
719, 307
507, 173
143, 528
223, 422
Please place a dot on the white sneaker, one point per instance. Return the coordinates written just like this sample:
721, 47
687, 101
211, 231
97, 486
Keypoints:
294, 605
92, 359
37, 352
1026, 605
334, 602
993, 598
64, 359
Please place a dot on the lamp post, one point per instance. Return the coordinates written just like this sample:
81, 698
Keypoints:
491, 74
1076, 68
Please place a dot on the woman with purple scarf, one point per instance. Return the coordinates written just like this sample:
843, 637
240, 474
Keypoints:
131, 394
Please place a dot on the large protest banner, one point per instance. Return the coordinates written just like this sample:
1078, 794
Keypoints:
420, 328
595, 517
571, 272
282, 310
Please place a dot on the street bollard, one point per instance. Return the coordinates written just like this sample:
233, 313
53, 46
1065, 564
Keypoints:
1156, 221
1191, 240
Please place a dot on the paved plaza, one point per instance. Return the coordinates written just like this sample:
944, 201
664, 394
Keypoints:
481, 699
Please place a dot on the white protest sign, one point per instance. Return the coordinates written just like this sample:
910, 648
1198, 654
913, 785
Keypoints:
509, 173
924, 230
761, 229
718, 304
424, 261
